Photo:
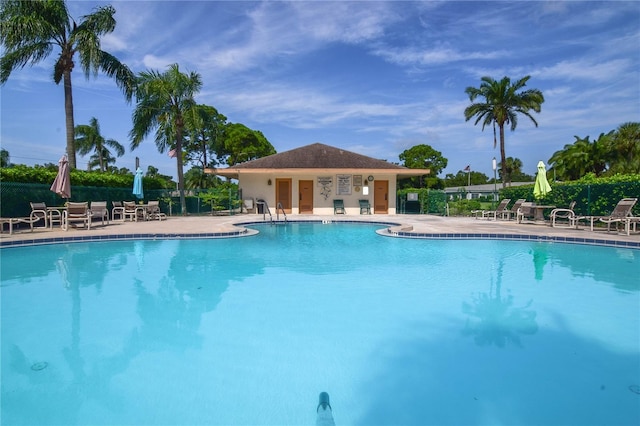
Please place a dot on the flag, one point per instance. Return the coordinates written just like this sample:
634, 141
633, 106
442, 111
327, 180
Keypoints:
172, 153
468, 168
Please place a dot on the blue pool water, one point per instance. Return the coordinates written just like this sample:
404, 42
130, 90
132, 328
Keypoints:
249, 331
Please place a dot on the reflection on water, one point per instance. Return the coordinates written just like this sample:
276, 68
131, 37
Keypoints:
540, 257
495, 321
177, 332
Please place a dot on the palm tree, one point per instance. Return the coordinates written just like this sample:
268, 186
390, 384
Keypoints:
503, 102
88, 139
513, 167
30, 31
104, 161
163, 100
582, 157
625, 149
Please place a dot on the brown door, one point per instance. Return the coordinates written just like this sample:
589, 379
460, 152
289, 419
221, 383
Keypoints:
283, 194
381, 196
306, 196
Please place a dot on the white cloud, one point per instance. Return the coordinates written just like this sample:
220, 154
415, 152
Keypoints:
584, 69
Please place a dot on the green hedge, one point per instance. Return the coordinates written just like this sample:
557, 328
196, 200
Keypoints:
594, 196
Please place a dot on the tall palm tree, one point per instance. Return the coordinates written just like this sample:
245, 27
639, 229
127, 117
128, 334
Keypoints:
30, 31
89, 139
503, 101
163, 100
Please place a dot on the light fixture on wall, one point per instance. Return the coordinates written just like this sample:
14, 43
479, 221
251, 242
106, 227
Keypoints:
269, 182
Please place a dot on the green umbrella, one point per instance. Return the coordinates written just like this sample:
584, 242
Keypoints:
541, 187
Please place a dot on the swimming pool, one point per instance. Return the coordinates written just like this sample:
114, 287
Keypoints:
250, 330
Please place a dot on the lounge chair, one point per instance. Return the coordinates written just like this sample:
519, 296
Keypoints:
49, 216
526, 211
365, 207
76, 212
501, 210
558, 216
16, 220
117, 210
100, 211
513, 211
620, 214
153, 212
338, 207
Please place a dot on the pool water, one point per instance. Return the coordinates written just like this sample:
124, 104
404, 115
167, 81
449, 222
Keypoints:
248, 331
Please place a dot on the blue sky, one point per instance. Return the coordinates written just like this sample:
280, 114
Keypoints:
375, 78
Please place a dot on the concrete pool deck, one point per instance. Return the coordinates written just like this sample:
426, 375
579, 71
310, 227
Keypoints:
415, 225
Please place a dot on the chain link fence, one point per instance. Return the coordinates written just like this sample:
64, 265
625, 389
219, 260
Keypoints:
15, 198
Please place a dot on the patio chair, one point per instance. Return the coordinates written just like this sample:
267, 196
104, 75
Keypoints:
559, 216
365, 207
76, 212
49, 216
117, 210
620, 214
525, 212
130, 210
100, 211
500, 210
153, 211
513, 211
38, 212
338, 207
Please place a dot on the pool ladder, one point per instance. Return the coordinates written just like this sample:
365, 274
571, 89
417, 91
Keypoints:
266, 210
279, 209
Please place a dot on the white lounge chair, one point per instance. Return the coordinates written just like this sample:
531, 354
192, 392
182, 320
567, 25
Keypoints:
559, 216
76, 212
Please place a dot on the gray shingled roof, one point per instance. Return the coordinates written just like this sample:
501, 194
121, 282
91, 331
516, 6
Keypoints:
317, 156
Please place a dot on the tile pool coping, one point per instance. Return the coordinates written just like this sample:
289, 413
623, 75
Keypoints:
393, 229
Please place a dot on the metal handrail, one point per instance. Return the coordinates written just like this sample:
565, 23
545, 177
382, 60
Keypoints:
279, 207
265, 210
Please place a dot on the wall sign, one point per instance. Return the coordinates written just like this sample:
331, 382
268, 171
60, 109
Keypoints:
357, 180
344, 184
325, 183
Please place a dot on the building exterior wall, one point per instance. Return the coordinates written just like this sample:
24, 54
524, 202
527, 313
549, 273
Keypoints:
256, 186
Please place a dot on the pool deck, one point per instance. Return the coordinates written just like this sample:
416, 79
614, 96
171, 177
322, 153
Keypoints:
424, 226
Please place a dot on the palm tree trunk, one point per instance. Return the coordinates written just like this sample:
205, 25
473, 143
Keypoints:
68, 111
503, 157
183, 201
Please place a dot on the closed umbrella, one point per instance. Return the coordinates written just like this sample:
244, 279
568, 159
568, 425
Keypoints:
137, 184
541, 187
62, 183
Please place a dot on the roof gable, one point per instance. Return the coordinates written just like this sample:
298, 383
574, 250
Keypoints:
317, 156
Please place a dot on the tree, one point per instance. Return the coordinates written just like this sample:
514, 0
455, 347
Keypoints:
423, 157
31, 29
88, 139
196, 178
514, 171
205, 128
582, 157
503, 102
624, 149
163, 100
4, 158
461, 178
240, 144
